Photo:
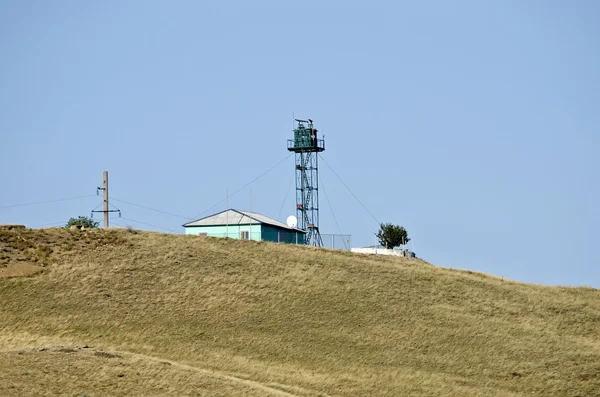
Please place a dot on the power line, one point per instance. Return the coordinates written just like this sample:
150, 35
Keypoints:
287, 192
149, 224
46, 202
245, 186
113, 222
45, 225
155, 209
352, 193
49, 225
151, 209
332, 213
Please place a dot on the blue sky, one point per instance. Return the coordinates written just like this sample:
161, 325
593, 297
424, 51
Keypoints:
473, 124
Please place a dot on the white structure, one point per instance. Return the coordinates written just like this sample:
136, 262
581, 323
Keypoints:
384, 251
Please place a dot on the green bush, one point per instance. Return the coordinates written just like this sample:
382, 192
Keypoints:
82, 221
391, 236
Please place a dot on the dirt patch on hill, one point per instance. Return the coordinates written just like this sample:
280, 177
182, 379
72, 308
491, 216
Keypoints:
84, 371
19, 269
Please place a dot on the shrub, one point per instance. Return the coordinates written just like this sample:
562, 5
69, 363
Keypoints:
82, 221
391, 236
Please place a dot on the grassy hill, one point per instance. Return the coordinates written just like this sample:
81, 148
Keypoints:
104, 313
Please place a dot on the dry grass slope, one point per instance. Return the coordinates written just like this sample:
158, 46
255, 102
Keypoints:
180, 315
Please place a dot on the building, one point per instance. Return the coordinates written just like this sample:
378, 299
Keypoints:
245, 225
380, 250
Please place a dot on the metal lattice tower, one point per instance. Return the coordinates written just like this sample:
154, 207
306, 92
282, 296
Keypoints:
307, 146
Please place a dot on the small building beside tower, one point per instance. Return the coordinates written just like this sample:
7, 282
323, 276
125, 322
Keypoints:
245, 225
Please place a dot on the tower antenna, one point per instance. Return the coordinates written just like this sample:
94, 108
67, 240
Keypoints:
306, 145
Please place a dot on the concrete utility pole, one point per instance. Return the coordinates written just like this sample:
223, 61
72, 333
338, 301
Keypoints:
105, 186
105, 209
227, 212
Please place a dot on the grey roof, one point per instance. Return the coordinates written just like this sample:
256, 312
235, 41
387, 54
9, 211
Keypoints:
237, 217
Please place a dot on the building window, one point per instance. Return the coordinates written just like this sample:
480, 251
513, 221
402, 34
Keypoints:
245, 234
202, 234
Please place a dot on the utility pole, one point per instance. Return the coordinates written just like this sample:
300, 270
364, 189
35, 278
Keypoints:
105, 186
227, 212
105, 207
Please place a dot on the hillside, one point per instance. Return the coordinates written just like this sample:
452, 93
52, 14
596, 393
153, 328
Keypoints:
104, 313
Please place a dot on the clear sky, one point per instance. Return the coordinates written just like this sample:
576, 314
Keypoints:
475, 124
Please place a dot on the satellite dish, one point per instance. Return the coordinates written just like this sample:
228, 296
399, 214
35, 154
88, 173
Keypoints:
292, 221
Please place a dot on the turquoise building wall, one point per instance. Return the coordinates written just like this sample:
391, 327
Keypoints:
257, 232
277, 235
231, 231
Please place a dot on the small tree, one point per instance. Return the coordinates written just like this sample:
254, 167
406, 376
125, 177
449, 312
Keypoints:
82, 221
391, 236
